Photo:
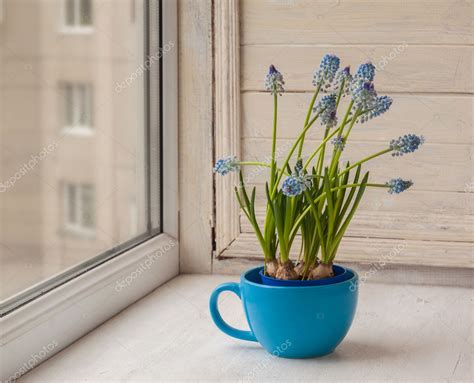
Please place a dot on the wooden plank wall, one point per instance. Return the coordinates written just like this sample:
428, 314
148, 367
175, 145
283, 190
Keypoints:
423, 51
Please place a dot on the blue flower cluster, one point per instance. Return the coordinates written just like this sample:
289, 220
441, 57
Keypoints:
327, 108
343, 80
226, 165
397, 185
274, 81
382, 104
366, 72
338, 143
363, 93
406, 144
295, 185
292, 186
328, 68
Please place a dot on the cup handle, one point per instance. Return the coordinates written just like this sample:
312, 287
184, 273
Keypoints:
217, 318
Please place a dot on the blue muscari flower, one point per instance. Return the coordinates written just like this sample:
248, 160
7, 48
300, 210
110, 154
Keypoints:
366, 71
406, 144
363, 93
338, 142
274, 81
226, 165
327, 107
292, 186
324, 76
382, 104
296, 183
397, 185
343, 80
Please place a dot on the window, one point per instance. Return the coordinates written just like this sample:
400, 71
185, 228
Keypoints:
110, 184
74, 198
79, 200
76, 107
77, 15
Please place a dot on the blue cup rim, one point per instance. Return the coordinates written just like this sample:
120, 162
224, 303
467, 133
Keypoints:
243, 278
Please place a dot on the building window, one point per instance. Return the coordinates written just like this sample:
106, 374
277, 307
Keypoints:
77, 15
76, 107
79, 206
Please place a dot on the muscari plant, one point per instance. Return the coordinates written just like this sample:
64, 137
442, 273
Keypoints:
318, 195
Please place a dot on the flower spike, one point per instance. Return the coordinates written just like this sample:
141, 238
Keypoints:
343, 80
338, 143
363, 93
274, 81
327, 107
226, 165
397, 185
382, 104
296, 183
324, 76
406, 144
366, 71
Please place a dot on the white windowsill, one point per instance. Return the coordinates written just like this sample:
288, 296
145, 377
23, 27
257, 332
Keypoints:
66, 313
400, 333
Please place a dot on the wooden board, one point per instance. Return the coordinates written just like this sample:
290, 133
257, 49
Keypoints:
195, 136
372, 250
356, 22
414, 201
438, 167
394, 224
417, 69
440, 118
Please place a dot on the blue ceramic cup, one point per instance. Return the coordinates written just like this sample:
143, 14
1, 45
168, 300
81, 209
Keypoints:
291, 322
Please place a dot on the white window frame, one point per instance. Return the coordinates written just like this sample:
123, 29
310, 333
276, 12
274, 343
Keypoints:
76, 28
71, 93
56, 319
77, 226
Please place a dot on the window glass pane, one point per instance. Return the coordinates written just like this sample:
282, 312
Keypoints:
67, 104
88, 208
85, 12
53, 179
71, 204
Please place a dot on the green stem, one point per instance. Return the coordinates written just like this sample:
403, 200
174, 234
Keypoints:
308, 115
320, 163
336, 154
275, 114
292, 150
